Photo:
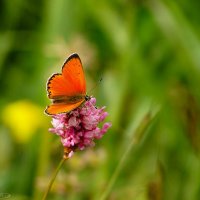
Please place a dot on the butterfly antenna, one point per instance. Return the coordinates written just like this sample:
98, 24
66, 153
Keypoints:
95, 85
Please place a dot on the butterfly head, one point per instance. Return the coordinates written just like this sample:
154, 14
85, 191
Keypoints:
87, 97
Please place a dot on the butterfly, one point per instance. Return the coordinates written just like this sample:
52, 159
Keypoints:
67, 90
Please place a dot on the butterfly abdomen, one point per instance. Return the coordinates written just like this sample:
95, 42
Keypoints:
68, 99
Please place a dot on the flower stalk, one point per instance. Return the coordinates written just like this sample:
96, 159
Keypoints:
65, 157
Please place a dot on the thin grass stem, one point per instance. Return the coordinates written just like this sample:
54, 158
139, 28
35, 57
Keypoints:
139, 133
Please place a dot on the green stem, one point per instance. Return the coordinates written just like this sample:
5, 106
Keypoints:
53, 178
146, 121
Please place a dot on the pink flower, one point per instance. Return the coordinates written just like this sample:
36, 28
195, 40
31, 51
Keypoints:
80, 127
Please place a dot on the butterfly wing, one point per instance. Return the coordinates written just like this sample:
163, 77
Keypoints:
67, 90
62, 108
71, 82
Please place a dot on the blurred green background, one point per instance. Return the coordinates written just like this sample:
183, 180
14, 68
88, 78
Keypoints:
148, 54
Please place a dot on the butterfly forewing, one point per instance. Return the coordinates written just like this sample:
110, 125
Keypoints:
72, 71
71, 82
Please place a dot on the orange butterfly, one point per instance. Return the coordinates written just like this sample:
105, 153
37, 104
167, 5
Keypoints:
68, 89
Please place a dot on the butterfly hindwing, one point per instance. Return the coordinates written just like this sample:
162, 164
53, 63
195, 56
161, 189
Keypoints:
62, 108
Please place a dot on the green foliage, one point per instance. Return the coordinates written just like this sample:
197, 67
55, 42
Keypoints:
148, 54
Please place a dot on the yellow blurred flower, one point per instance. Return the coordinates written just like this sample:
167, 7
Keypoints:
23, 118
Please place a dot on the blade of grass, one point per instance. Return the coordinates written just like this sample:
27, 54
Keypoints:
137, 137
178, 31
